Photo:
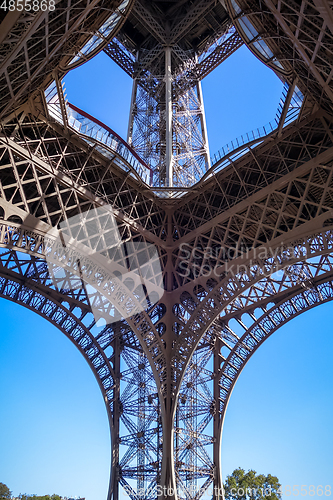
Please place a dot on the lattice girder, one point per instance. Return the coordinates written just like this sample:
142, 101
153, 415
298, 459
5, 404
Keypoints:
304, 180
299, 37
201, 309
238, 347
44, 153
37, 43
25, 280
269, 211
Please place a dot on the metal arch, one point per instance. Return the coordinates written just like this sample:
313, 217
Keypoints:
320, 292
195, 470
301, 48
16, 236
300, 268
279, 191
21, 286
210, 301
99, 182
251, 37
14, 243
71, 24
122, 12
219, 372
38, 159
231, 190
84, 198
268, 289
24, 279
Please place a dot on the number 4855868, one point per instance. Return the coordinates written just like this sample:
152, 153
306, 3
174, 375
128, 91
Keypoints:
27, 5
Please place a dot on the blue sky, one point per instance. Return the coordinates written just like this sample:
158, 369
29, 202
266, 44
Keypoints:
279, 418
54, 431
240, 95
53, 425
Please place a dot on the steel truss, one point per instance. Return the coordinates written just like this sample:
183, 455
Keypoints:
289, 201
302, 47
197, 68
147, 133
244, 250
34, 45
126, 378
167, 121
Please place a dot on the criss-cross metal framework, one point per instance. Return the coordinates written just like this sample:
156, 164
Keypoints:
244, 244
168, 48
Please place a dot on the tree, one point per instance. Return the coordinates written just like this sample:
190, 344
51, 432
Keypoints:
241, 485
5, 492
36, 497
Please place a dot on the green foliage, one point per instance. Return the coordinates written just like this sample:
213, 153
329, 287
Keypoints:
241, 485
4, 492
35, 497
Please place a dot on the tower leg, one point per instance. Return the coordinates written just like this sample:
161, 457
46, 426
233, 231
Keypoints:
218, 484
131, 114
203, 125
114, 484
168, 117
168, 481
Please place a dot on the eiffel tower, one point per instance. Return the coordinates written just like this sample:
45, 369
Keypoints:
208, 257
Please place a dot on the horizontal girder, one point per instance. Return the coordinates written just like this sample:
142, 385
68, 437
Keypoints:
36, 43
242, 252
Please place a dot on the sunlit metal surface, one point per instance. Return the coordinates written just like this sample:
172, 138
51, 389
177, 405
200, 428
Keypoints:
244, 249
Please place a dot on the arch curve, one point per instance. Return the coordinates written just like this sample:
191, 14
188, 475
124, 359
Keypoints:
254, 280
23, 280
263, 326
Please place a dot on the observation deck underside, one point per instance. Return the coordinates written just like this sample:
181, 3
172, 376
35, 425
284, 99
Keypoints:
192, 264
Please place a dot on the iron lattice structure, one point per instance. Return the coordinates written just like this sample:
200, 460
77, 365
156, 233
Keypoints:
167, 48
147, 134
242, 250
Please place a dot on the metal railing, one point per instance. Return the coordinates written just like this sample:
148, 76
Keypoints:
244, 139
111, 145
106, 141
88, 126
261, 132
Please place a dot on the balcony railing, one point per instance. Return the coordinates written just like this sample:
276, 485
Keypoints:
261, 132
88, 126
111, 145
106, 141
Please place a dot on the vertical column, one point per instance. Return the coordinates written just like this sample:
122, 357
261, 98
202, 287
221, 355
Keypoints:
168, 481
218, 484
203, 124
61, 98
131, 114
114, 484
141, 424
168, 117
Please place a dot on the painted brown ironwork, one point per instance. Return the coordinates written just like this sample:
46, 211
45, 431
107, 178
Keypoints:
245, 248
